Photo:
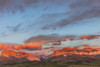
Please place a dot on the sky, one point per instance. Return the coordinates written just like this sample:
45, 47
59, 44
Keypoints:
23, 21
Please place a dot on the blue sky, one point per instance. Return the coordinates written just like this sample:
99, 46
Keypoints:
23, 19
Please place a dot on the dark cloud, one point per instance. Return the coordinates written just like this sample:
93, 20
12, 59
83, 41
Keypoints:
57, 39
29, 2
15, 5
16, 28
50, 18
10, 6
48, 38
3, 3
80, 10
45, 38
3, 34
20, 5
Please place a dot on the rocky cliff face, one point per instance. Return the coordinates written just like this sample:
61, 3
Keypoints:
71, 51
16, 54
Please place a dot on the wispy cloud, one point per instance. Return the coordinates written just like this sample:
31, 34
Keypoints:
80, 10
20, 5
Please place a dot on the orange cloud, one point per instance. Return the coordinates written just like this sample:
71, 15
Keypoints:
5, 46
90, 37
84, 37
29, 46
71, 38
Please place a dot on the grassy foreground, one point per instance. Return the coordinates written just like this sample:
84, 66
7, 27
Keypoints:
53, 64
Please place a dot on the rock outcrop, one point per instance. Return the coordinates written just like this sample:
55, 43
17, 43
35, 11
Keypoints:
71, 51
16, 54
